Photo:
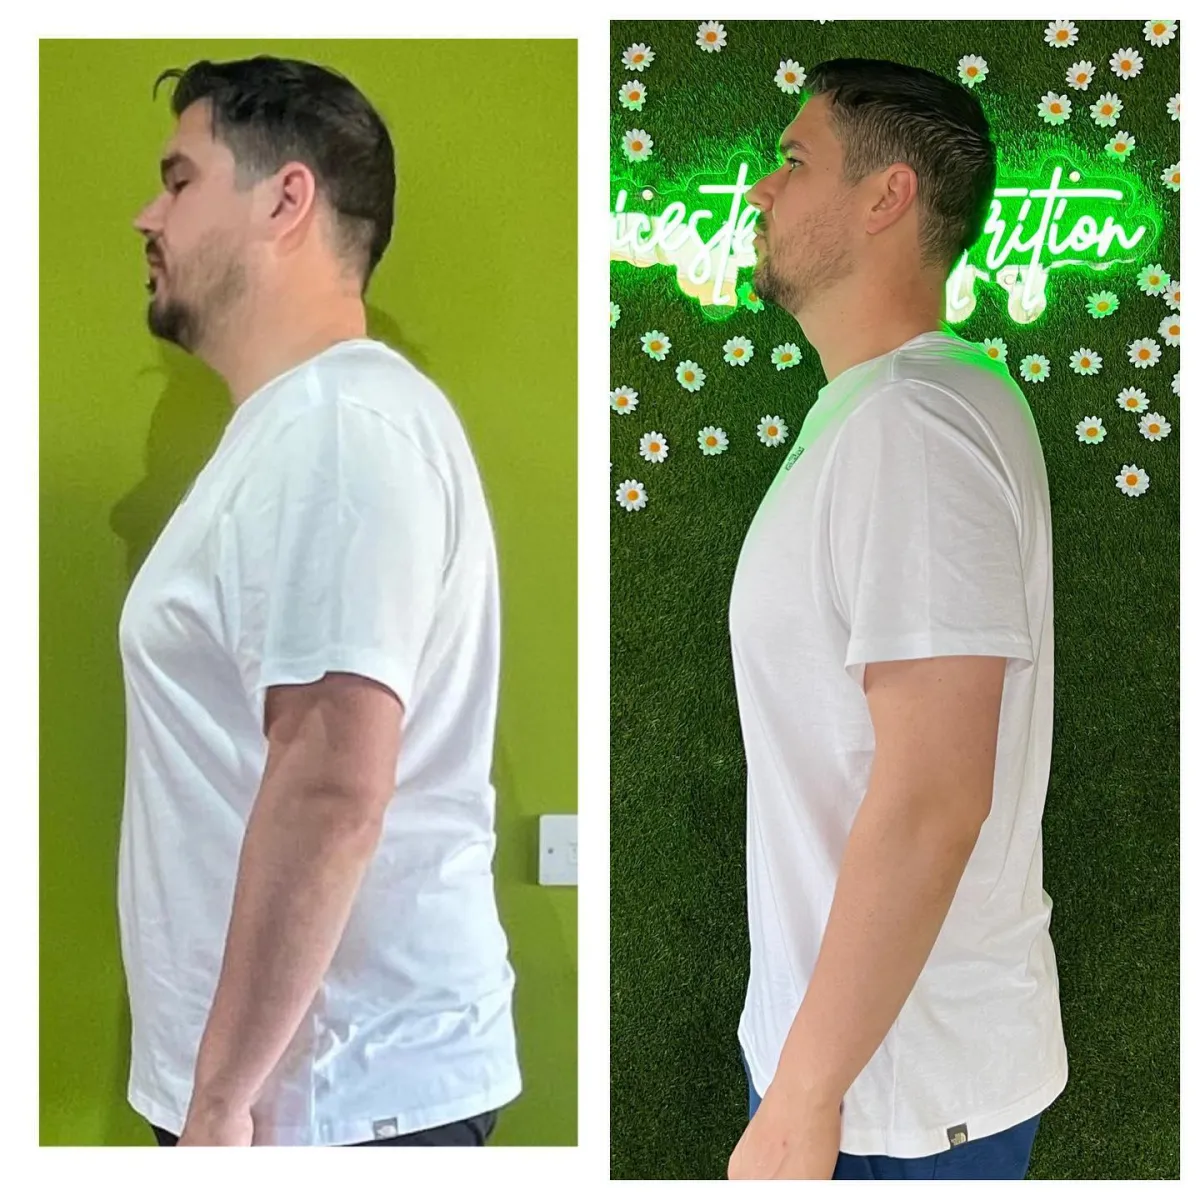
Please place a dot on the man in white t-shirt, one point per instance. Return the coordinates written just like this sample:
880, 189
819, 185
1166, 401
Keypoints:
311, 660
891, 622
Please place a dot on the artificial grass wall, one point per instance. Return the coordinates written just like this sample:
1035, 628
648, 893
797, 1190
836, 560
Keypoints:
1111, 852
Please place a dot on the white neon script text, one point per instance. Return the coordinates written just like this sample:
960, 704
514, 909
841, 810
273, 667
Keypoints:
1025, 282
702, 267
707, 268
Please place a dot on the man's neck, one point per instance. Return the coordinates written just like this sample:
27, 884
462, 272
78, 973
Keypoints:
260, 355
849, 328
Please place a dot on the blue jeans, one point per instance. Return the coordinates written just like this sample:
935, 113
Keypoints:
1003, 1155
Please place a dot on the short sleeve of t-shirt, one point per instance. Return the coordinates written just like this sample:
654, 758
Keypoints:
923, 537
340, 541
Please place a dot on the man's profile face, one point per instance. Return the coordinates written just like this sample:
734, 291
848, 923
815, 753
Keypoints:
803, 244
196, 232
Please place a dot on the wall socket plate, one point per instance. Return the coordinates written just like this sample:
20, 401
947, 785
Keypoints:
558, 850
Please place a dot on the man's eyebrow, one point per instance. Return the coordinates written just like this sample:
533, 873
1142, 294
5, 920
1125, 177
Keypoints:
793, 144
171, 161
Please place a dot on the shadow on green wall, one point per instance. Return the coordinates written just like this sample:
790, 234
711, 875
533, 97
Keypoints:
185, 428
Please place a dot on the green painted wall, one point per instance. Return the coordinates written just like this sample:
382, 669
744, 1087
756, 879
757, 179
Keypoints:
478, 287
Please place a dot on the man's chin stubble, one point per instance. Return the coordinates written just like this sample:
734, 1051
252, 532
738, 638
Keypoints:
770, 288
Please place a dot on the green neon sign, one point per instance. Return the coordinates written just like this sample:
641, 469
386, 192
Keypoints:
704, 229
1032, 230
1040, 222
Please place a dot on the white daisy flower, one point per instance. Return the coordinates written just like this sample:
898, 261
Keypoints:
1054, 109
1035, 368
1120, 144
1132, 481
1145, 352
790, 77
1168, 329
1090, 429
1132, 399
1061, 33
1154, 426
712, 440
1170, 176
638, 57
772, 431
1107, 109
1126, 64
656, 344
1102, 304
614, 314
972, 69
631, 495
637, 144
1173, 107
632, 94
653, 447
994, 348
1079, 75
690, 375
1171, 294
1152, 279
710, 35
1159, 33
1085, 362
738, 351
787, 355
623, 399
1175, 383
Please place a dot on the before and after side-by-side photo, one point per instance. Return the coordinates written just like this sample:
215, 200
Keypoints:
884, 879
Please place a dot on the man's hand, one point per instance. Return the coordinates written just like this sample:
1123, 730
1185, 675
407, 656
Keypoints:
217, 1125
789, 1139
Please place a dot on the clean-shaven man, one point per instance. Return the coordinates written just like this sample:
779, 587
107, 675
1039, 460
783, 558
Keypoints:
307, 911
892, 631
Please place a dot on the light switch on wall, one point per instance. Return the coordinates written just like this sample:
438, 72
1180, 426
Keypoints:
558, 850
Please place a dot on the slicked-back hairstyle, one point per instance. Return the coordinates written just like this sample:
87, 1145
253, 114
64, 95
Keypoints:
270, 111
885, 112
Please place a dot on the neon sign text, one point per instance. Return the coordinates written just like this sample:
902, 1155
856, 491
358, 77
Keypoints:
706, 267
1025, 282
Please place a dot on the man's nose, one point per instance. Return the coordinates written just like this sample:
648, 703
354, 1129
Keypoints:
758, 195
144, 222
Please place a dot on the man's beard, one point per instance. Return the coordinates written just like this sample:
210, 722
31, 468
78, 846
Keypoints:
173, 320
773, 286
188, 323
794, 275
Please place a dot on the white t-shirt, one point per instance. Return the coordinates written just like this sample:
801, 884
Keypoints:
340, 525
910, 520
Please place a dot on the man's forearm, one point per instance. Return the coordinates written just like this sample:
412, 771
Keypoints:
302, 861
901, 867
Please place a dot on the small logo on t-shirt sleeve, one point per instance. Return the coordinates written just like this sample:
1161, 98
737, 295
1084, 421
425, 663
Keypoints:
793, 455
385, 1129
957, 1135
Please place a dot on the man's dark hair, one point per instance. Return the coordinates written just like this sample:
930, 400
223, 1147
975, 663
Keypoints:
270, 111
887, 112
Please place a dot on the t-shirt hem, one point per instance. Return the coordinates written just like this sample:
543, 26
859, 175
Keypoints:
862, 650
366, 661
349, 1132
920, 1143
